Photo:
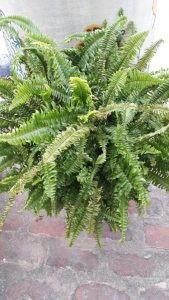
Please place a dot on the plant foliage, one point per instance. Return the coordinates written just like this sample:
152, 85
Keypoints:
86, 125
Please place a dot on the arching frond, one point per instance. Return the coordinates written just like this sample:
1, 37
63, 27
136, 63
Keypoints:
131, 48
22, 22
63, 141
161, 94
144, 61
41, 127
139, 81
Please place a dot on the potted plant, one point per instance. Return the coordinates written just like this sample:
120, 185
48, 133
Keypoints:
84, 129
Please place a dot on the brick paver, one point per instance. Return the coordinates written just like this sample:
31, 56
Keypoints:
37, 264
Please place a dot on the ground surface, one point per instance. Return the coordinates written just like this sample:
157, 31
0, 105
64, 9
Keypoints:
36, 264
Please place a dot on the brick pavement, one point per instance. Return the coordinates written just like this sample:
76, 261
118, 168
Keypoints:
37, 264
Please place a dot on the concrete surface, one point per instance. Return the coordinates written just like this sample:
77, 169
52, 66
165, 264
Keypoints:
37, 264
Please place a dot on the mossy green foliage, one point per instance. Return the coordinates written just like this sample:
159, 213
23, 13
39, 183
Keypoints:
86, 125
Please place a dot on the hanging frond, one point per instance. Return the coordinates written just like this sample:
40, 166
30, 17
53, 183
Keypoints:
50, 182
17, 189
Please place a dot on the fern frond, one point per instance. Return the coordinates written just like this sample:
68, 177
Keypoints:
158, 179
108, 43
49, 182
81, 36
35, 199
60, 69
5, 162
130, 49
6, 88
22, 22
139, 81
103, 112
161, 94
40, 128
17, 189
117, 82
90, 49
64, 140
153, 134
38, 37
8, 182
162, 74
26, 90
144, 61
93, 210
98, 229
81, 93
129, 30
103, 141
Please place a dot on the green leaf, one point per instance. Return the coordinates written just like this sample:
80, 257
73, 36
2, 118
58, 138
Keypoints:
62, 141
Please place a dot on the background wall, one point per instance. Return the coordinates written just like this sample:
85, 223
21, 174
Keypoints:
59, 18
161, 59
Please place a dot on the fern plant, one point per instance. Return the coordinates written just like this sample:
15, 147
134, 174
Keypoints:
86, 125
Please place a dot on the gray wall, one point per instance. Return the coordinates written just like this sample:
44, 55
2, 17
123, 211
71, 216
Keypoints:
59, 18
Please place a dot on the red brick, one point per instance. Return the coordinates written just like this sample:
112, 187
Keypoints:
153, 294
108, 233
157, 236
71, 257
132, 265
29, 289
13, 222
48, 227
132, 207
99, 292
22, 251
